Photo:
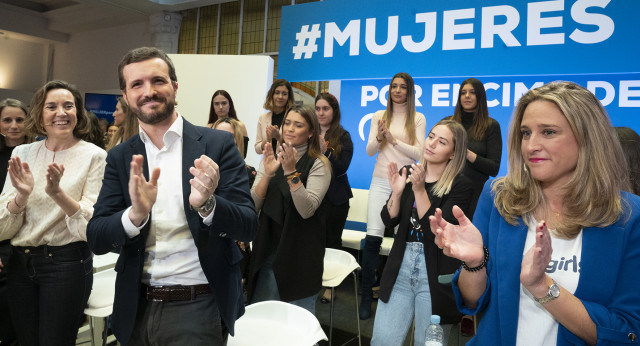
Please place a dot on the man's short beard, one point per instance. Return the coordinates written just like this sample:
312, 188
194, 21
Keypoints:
157, 117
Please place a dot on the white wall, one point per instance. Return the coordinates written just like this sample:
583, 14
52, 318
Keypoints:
90, 59
22, 64
247, 78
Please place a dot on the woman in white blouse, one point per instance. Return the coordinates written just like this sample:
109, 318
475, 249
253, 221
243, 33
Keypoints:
46, 205
397, 135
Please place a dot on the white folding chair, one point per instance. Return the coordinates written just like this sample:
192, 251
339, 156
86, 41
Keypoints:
100, 304
338, 265
276, 323
106, 261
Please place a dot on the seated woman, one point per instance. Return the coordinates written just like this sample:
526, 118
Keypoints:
409, 286
288, 252
552, 255
221, 108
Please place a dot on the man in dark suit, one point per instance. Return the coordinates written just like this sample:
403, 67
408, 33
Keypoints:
179, 281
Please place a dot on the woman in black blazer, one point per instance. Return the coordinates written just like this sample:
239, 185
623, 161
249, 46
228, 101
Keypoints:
409, 286
337, 146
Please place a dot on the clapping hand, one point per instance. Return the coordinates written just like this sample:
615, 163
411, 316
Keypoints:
143, 194
397, 179
287, 158
269, 160
54, 174
417, 176
273, 132
462, 241
323, 144
21, 177
535, 262
206, 175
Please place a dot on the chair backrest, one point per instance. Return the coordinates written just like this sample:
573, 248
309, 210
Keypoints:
276, 323
103, 291
338, 264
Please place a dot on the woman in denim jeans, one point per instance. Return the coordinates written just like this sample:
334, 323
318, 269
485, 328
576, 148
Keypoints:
409, 286
46, 205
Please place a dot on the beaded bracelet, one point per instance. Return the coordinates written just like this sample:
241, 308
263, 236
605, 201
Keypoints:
482, 265
292, 175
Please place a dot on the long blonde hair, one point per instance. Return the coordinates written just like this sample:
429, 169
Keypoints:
592, 195
410, 116
456, 164
237, 131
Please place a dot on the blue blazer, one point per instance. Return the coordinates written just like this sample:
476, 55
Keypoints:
608, 284
234, 219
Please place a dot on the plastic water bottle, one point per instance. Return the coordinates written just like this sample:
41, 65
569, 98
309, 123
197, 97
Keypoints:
434, 336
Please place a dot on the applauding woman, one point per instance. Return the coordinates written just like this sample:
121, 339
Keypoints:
46, 205
279, 99
409, 287
397, 135
288, 252
552, 256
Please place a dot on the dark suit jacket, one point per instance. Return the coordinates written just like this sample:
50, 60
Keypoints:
234, 219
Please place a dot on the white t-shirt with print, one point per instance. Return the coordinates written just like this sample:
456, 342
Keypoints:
536, 326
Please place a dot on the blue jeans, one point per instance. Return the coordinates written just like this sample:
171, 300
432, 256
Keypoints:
267, 288
410, 298
48, 290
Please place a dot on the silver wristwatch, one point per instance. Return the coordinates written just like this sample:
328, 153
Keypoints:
554, 292
208, 205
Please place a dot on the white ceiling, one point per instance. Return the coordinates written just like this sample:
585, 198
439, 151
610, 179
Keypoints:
61, 18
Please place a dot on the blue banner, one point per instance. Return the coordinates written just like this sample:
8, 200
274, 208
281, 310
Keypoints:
334, 39
436, 99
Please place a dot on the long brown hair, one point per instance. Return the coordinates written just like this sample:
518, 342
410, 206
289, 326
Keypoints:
127, 129
213, 116
410, 116
334, 132
592, 195
480, 114
313, 149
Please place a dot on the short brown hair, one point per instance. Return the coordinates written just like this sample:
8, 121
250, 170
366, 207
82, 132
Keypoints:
34, 125
143, 54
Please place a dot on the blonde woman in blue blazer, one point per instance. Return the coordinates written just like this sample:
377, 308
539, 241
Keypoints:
553, 253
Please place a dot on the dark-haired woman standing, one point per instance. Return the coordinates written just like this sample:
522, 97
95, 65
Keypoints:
337, 146
485, 139
222, 107
288, 252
